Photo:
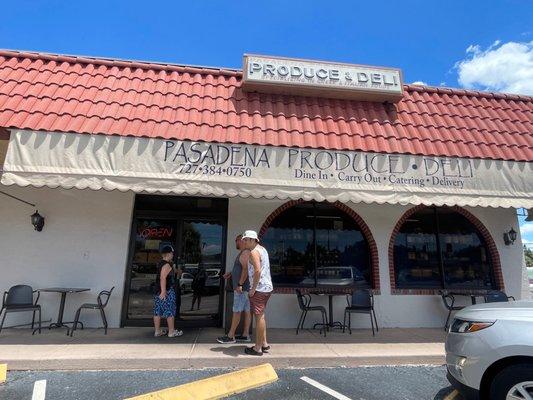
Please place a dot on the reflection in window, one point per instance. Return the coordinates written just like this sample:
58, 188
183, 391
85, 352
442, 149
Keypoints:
440, 248
202, 252
202, 243
201, 261
314, 244
150, 237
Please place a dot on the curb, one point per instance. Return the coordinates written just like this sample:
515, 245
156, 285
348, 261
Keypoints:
199, 363
217, 386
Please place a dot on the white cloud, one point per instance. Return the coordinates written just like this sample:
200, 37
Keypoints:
526, 228
506, 67
419, 83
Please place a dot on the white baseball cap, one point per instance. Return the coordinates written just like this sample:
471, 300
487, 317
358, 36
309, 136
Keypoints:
250, 235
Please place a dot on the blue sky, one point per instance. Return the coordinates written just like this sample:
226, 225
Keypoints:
476, 44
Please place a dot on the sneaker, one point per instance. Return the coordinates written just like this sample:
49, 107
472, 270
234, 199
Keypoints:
243, 339
176, 333
160, 333
226, 340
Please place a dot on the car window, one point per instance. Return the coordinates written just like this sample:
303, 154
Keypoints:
335, 273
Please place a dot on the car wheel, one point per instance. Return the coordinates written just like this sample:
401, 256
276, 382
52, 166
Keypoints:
513, 383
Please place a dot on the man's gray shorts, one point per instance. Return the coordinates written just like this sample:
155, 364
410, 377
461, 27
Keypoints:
241, 302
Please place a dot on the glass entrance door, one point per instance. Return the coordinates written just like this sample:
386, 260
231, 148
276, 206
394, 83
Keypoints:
150, 236
199, 243
201, 263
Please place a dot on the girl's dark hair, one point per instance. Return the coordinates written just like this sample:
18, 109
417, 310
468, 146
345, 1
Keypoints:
167, 249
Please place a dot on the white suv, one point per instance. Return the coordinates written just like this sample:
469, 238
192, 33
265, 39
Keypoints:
489, 351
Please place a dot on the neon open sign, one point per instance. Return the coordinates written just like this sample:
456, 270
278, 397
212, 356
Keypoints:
156, 233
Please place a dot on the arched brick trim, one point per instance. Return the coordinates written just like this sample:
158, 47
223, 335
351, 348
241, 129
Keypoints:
491, 246
365, 230
275, 213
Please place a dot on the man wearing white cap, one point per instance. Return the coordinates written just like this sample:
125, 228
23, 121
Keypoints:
260, 289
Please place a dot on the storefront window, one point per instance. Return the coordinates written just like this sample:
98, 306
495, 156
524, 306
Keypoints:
440, 248
316, 244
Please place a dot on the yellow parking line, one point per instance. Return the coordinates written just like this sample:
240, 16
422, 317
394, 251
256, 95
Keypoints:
3, 373
452, 396
216, 387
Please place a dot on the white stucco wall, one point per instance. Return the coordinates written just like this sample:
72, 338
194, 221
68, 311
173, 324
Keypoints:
84, 243
392, 310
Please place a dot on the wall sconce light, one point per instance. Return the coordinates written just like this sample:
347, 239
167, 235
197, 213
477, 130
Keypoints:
509, 237
37, 220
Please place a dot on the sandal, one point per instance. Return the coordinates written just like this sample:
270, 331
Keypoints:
265, 349
251, 351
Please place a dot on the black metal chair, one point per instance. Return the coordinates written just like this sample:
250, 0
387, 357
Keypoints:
304, 302
497, 296
449, 302
20, 298
102, 300
360, 302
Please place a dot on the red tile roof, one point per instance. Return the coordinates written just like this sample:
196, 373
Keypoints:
105, 96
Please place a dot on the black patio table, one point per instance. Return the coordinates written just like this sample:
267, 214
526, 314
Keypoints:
63, 292
330, 292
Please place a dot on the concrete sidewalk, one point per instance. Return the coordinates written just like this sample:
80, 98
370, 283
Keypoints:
136, 348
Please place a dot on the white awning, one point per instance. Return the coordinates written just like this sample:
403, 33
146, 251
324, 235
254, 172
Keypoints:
146, 165
3, 151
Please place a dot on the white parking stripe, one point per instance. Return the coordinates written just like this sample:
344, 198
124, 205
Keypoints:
39, 390
324, 388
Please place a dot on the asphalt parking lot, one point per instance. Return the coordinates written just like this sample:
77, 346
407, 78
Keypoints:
362, 383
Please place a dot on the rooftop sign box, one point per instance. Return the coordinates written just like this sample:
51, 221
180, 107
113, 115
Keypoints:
321, 78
